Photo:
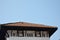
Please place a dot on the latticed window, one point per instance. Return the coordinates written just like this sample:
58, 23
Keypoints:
44, 34
20, 33
30, 33
38, 33
27, 33
14, 32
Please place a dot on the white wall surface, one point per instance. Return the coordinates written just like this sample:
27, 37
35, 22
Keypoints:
28, 38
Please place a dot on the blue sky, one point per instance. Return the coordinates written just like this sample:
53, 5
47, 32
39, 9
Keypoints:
35, 11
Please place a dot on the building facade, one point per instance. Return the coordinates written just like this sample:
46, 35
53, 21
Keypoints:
25, 31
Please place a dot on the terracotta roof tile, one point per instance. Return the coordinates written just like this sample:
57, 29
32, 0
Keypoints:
26, 24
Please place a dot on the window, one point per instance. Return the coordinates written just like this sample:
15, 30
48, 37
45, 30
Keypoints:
38, 34
30, 33
20, 33
14, 33
9, 32
44, 34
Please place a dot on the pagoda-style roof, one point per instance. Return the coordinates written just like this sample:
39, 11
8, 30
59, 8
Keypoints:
51, 29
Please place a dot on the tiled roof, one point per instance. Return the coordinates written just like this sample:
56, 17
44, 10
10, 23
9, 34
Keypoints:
26, 24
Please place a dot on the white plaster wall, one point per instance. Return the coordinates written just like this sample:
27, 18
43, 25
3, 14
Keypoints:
28, 38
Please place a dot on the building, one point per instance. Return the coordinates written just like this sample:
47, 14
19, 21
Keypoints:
26, 31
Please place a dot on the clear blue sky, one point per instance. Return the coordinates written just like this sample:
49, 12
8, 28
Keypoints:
35, 11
